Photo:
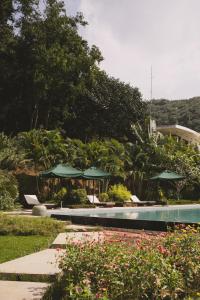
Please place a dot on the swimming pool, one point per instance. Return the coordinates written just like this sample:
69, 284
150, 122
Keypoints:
153, 218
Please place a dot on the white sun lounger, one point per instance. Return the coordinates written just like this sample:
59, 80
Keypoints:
32, 200
94, 200
135, 200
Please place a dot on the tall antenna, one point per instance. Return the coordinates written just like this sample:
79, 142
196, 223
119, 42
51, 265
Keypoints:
151, 92
151, 89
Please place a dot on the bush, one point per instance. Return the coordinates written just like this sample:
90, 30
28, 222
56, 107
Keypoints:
60, 195
119, 193
104, 197
78, 196
167, 267
74, 206
17, 225
8, 191
6, 201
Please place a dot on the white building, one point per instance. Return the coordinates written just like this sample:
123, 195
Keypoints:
182, 132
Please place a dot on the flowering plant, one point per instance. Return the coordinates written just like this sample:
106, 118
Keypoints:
163, 267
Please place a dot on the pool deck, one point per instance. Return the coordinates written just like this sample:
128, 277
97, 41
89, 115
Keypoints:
79, 211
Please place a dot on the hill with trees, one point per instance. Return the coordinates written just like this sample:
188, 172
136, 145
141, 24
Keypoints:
182, 112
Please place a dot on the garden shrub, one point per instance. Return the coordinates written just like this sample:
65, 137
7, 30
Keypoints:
119, 193
78, 196
60, 195
74, 206
165, 268
18, 225
104, 197
8, 191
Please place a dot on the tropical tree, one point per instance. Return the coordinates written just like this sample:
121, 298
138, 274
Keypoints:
11, 155
43, 148
53, 62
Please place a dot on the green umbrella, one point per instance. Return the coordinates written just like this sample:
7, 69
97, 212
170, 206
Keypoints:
95, 174
167, 176
61, 171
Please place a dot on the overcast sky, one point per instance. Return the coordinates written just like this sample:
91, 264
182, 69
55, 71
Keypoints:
135, 34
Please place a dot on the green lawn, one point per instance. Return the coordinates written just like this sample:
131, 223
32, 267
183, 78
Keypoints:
12, 247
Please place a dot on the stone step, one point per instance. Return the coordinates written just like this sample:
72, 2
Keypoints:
82, 228
17, 290
40, 266
77, 237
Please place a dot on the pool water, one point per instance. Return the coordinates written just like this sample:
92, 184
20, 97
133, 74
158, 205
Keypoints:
183, 213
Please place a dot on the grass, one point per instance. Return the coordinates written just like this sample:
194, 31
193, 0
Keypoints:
20, 236
12, 247
18, 225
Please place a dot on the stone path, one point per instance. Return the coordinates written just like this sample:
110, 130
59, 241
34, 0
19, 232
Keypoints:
77, 237
17, 290
42, 265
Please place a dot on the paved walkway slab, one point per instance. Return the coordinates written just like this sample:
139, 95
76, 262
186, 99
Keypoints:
39, 266
82, 228
17, 290
77, 237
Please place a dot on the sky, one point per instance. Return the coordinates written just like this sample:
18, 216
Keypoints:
134, 35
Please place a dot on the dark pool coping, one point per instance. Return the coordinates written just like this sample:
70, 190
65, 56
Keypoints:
121, 223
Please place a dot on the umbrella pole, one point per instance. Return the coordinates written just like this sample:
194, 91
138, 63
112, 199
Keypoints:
93, 191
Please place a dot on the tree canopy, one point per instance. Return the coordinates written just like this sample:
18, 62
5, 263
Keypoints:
50, 77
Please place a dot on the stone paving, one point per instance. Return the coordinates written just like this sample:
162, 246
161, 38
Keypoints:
18, 290
41, 265
77, 237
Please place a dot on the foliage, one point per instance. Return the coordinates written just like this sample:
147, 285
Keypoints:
17, 225
152, 154
42, 147
132, 162
161, 268
182, 201
12, 247
110, 108
6, 202
8, 191
58, 83
11, 155
54, 66
74, 206
182, 112
78, 196
60, 195
103, 197
119, 193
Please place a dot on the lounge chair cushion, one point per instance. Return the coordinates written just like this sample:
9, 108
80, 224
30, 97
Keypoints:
32, 200
135, 199
93, 199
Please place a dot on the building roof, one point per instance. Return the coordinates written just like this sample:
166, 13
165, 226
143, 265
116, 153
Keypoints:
184, 133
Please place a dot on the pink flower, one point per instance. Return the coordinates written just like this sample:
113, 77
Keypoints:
98, 295
162, 250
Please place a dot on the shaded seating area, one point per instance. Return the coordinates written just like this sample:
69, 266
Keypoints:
93, 174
